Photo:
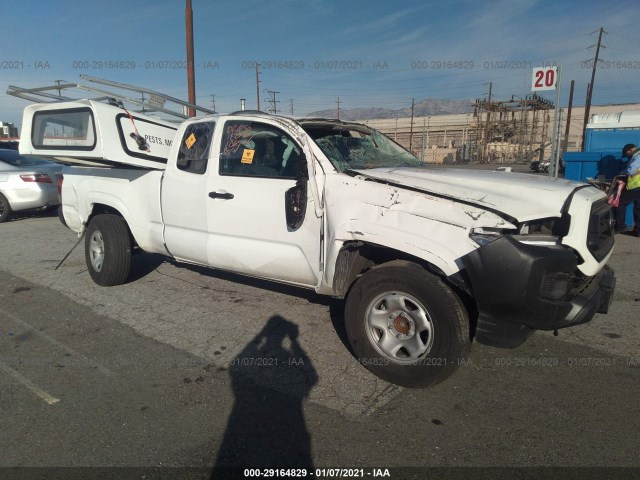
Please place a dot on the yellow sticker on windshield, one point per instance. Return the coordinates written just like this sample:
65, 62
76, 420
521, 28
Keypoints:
191, 139
247, 155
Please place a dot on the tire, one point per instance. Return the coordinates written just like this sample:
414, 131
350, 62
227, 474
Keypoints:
406, 325
5, 209
107, 250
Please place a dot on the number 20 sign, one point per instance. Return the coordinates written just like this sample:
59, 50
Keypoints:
544, 78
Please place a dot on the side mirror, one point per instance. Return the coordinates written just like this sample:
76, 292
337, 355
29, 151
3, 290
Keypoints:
295, 198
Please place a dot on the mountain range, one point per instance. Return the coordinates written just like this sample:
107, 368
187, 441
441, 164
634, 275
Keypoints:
423, 108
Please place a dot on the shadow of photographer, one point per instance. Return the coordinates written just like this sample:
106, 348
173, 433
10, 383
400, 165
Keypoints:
270, 377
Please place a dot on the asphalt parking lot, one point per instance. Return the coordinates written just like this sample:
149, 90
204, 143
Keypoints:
154, 374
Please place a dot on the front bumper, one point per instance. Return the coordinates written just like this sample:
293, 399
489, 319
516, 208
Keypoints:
513, 285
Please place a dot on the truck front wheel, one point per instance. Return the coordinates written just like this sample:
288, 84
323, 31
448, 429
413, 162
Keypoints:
406, 325
108, 250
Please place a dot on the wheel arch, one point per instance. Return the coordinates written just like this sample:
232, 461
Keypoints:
102, 208
355, 258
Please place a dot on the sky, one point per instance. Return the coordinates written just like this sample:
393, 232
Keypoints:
366, 53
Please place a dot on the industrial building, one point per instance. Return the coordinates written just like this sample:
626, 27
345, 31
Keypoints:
516, 130
8, 131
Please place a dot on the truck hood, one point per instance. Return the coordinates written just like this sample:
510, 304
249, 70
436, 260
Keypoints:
522, 196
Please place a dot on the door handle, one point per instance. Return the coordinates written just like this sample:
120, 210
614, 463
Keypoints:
221, 194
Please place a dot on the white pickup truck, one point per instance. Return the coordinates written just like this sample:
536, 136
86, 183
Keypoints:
427, 259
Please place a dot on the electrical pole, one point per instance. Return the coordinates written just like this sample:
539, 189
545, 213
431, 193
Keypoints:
424, 131
273, 101
291, 105
569, 107
587, 107
411, 128
555, 149
258, 86
191, 76
213, 103
486, 127
338, 102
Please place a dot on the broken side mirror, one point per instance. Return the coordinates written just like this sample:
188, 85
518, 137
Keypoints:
295, 198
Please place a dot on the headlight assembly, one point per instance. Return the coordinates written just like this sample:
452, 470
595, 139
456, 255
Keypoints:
484, 236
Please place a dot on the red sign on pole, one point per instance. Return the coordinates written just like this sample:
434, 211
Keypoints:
544, 78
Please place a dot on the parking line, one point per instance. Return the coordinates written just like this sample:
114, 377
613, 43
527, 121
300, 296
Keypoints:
55, 342
30, 385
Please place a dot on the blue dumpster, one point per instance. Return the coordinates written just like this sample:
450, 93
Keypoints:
604, 138
583, 166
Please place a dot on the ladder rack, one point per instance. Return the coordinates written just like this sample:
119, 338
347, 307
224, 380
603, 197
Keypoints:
154, 102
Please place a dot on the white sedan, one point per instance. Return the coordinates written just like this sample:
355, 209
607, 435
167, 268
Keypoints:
27, 183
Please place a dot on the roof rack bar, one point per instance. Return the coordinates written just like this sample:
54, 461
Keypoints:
62, 86
108, 95
35, 96
134, 88
44, 95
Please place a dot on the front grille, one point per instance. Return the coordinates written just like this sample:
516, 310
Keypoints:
600, 234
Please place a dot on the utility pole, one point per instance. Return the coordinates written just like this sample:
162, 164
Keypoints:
258, 86
569, 107
555, 149
191, 76
291, 105
486, 127
587, 107
424, 131
338, 102
411, 129
213, 102
273, 101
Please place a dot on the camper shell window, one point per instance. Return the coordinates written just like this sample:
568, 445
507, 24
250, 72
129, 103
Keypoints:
71, 129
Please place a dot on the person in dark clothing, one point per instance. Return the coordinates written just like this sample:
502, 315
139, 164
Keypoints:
631, 193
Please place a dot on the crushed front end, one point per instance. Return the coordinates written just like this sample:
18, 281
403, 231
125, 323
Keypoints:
545, 275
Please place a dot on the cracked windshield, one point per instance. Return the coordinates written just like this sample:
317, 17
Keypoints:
353, 147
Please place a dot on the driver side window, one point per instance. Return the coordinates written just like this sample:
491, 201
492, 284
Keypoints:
257, 149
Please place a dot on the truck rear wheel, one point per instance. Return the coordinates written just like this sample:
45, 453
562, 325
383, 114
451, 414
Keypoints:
406, 325
108, 250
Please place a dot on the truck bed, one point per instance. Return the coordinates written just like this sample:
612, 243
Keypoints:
134, 192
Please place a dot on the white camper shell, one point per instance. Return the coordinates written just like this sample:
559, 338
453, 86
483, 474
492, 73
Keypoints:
97, 132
